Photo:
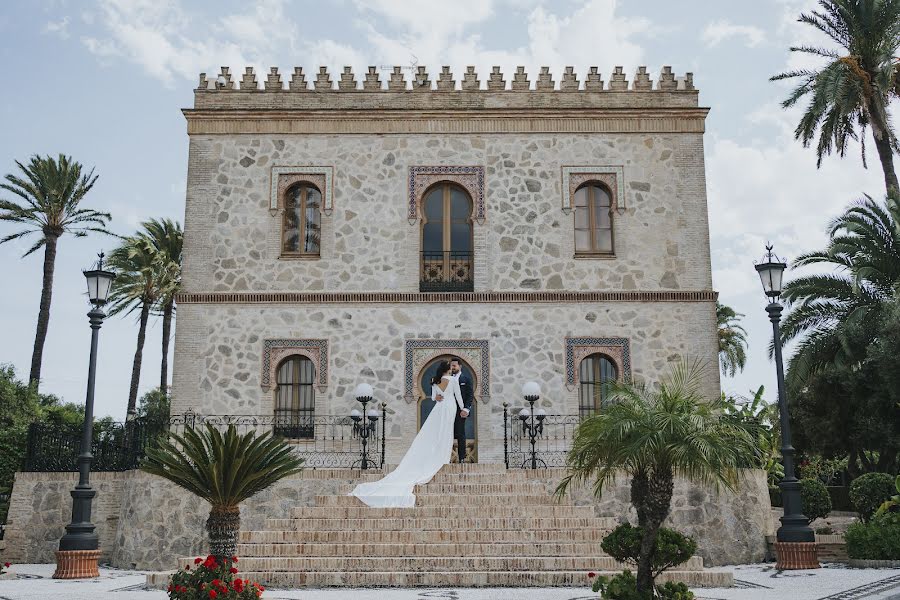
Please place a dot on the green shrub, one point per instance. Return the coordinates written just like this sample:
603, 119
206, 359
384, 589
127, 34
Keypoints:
775, 496
674, 591
624, 587
815, 499
892, 505
877, 540
869, 492
672, 548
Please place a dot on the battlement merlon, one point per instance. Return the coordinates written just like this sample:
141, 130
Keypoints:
494, 103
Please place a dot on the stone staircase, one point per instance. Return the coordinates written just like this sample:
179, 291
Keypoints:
473, 526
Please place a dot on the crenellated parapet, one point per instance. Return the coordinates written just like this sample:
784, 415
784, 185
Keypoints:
404, 100
419, 81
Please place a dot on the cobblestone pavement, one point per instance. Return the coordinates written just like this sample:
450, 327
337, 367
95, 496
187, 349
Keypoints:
752, 582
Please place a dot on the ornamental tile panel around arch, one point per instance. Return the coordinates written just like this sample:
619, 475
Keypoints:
577, 348
284, 177
611, 176
421, 352
469, 178
276, 350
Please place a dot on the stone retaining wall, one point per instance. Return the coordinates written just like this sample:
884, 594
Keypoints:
144, 521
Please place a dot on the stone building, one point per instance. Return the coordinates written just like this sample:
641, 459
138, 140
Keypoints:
357, 234
343, 234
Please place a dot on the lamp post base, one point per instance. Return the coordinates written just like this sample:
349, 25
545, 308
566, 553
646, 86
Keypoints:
792, 556
76, 564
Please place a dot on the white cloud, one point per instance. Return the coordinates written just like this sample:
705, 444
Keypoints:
60, 28
722, 29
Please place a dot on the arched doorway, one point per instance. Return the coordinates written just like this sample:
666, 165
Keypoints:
426, 404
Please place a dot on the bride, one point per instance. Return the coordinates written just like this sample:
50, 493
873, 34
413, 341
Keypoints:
430, 450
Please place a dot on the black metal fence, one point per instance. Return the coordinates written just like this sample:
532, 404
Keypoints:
451, 271
547, 447
323, 441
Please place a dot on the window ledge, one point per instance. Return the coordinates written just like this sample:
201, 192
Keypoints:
594, 256
300, 257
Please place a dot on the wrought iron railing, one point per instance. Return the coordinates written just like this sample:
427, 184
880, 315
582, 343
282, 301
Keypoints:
451, 271
323, 441
547, 447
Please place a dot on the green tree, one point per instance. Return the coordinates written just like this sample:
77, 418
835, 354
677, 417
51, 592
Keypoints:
50, 192
732, 340
154, 406
165, 240
136, 287
761, 421
832, 314
654, 434
852, 91
224, 470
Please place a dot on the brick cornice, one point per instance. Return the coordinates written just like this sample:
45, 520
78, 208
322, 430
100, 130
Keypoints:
432, 298
585, 120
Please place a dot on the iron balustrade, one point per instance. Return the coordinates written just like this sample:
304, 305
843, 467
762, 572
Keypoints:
551, 442
323, 441
449, 271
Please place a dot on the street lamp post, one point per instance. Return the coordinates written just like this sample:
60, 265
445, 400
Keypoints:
78, 548
532, 393
796, 541
361, 428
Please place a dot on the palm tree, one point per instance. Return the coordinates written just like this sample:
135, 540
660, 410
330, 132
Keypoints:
224, 470
832, 314
654, 434
166, 239
52, 190
854, 88
732, 340
136, 287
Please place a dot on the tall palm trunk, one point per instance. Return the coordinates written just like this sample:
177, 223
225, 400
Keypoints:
885, 154
168, 309
138, 356
222, 528
43, 321
654, 493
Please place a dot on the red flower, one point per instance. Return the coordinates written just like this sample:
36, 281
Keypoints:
234, 559
217, 582
212, 593
238, 585
170, 588
592, 574
198, 560
233, 570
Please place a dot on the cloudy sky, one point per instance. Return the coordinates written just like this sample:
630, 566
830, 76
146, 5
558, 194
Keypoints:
104, 82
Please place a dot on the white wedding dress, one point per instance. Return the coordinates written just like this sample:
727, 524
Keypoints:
430, 450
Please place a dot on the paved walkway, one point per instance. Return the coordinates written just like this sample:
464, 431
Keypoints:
752, 582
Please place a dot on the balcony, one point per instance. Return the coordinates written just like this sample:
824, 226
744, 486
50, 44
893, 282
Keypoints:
450, 271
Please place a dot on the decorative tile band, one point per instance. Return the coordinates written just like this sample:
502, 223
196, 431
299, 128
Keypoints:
422, 177
276, 350
430, 298
420, 352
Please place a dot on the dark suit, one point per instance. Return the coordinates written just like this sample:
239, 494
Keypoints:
459, 424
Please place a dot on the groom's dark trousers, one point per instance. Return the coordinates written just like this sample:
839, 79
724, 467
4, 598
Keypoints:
459, 424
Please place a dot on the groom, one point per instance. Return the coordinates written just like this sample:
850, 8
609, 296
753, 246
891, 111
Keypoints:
468, 394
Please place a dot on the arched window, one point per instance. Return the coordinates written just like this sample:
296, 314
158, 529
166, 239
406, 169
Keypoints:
302, 226
295, 397
447, 264
594, 374
593, 220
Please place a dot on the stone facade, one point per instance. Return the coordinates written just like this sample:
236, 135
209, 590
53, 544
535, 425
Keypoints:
145, 522
519, 150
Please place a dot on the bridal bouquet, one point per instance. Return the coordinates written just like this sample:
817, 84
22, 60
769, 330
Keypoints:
212, 579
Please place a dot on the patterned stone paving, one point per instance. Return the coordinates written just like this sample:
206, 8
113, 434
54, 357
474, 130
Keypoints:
752, 582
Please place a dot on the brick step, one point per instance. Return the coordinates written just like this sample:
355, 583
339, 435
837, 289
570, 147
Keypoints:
454, 500
483, 549
459, 512
442, 523
454, 468
511, 476
434, 536
472, 489
440, 563
364, 579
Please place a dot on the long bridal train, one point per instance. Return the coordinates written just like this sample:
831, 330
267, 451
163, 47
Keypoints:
429, 451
